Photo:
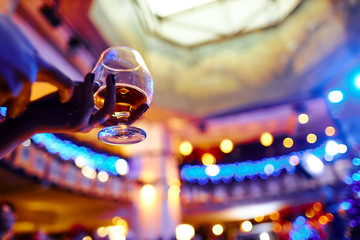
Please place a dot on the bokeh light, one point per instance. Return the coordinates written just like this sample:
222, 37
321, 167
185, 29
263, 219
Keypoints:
148, 193
246, 226
287, 226
330, 217
309, 213
323, 220
27, 143
121, 222
303, 118
184, 232
259, 218
174, 181
312, 164
276, 227
274, 216
212, 170
80, 161
294, 160
87, 238
335, 96
266, 139
174, 191
342, 148
208, 159
122, 167
217, 229
269, 169
357, 81
117, 232
101, 232
328, 157
332, 148
311, 138
103, 176
330, 131
264, 236
288, 142
185, 148
88, 172
226, 146
317, 206
115, 219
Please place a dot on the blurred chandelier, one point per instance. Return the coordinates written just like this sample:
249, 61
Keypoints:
192, 23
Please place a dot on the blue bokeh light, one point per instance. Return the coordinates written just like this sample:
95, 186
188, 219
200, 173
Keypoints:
357, 81
335, 96
249, 169
68, 150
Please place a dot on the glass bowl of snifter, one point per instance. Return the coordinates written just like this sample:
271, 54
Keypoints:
134, 93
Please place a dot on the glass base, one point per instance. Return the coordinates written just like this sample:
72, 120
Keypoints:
121, 134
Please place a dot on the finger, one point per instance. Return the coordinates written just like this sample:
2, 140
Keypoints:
138, 113
10, 81
96, 87
17, 105
109, 104
87, 102
50, 74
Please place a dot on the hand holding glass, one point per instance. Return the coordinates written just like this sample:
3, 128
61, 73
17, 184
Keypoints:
134, 92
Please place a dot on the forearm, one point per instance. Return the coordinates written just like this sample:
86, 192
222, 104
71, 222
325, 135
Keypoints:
12, 133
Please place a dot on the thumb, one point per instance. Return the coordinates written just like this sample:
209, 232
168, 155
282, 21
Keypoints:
17, 105
52, 75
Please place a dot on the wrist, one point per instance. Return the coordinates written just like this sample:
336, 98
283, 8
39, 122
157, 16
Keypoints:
23, 125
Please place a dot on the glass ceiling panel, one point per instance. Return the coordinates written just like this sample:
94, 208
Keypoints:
193, 23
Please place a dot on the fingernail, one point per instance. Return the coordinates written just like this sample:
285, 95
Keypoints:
113, 78
146, 107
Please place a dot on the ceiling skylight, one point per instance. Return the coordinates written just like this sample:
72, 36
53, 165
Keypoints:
192, 23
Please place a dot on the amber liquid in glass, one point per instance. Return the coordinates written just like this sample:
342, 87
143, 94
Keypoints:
131, 103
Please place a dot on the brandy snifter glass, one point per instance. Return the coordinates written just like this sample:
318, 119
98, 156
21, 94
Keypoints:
134, 92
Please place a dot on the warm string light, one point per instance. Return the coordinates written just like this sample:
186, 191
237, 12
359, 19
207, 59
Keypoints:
217, 229
304, 227
303, 118
259, 218
330, 131
274, 216
185, 148
174, 192
264, 236
288, 142
226, 146
184, 232
266, 139
246, 226
311, 138
119, 230
208, 159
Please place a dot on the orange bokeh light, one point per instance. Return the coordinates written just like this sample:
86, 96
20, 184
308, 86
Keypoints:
287, 226
330, 217
323, 220
310, 213
277, 227
317, 206
274, 216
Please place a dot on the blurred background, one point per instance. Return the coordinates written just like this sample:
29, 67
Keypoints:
253, 131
